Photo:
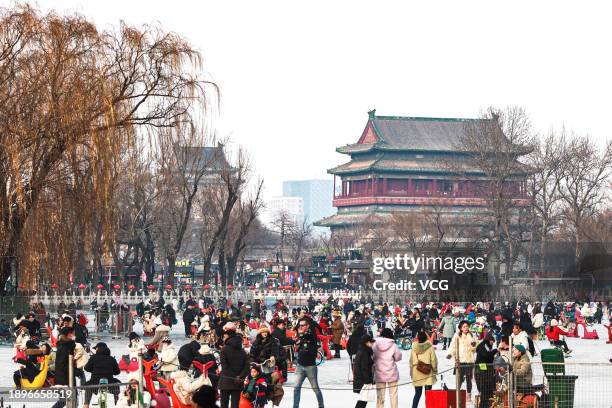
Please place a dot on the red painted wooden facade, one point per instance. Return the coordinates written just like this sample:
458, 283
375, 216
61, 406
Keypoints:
421, 192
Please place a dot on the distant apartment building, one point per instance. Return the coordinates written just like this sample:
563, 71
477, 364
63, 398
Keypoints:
317, 196
292, 206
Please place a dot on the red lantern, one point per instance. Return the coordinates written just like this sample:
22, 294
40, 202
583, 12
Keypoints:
188, 287
100, 286
151, 287
117, 287
54, 286
206, 287
251, 287
230, 287
81, 286
168, 286
131, 287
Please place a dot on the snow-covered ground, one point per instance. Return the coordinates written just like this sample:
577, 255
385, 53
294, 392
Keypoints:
593, 387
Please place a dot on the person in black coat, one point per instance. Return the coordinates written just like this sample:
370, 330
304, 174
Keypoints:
80, 332
285, 343
102, 365
65, 347
363, 367
416, 324
187, 353
306, 345
281, 334
352, 345
32, 325
171, 313
484, 373
491, 320
234, 369
188, 317
526, 324
550, 311
307, 350
265, 347
506, 326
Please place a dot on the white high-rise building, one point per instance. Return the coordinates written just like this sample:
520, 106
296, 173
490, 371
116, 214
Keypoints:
292, 206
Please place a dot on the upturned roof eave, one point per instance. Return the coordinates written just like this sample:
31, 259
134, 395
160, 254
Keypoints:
352, 149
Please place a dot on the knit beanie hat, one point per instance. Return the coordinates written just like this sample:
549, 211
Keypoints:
520, 348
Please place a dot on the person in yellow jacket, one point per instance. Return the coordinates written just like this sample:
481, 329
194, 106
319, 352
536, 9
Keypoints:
424, 352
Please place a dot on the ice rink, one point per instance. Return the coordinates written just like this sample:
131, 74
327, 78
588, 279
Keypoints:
593, 387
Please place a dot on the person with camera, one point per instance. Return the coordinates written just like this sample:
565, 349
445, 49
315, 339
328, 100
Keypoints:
306, 349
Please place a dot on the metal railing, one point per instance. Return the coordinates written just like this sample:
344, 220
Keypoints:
535, 385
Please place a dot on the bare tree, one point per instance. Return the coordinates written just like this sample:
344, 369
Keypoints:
375, 235
300, 239
245, 216
584, 172
543, 185
232, 183
339, 243
182, 164
428, 231
137, 198
495, 143
282, 224
70, 90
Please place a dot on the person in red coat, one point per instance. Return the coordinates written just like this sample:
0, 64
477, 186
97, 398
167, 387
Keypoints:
324, 326
553, 333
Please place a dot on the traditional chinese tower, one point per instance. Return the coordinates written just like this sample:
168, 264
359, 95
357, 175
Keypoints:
409, 164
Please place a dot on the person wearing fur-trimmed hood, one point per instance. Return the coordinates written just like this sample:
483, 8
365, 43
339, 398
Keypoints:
424, 353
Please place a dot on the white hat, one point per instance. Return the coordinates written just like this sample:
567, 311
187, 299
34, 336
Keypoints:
554, 322
229, 326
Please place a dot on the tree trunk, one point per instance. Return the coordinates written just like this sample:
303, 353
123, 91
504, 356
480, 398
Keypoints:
10, 254
6, 263
222, 270
171, 269
231, 268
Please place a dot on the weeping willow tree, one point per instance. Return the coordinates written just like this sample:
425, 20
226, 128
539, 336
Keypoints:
73, 100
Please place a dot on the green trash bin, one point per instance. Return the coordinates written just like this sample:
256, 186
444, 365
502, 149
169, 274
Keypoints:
561, 390
555, 360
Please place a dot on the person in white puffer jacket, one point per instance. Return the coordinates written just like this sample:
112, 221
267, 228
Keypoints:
136, 346
185, 386
161, 331
168, 357
466, 342
538, 320
519, 336
205, 326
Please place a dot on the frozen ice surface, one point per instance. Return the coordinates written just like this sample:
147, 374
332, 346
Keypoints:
593, 387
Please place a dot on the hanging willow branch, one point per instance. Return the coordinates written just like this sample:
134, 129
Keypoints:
72, 100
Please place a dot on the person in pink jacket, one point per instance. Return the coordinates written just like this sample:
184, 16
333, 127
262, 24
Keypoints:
386, 374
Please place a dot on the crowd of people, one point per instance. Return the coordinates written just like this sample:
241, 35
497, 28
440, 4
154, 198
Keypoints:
241, 354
